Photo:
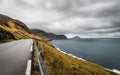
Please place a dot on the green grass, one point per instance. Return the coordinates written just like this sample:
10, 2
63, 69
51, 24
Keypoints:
58, 63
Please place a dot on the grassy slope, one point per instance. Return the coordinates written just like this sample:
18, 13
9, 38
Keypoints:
5, 35
58, 63
17, 31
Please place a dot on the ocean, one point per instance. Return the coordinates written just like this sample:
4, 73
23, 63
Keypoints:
105, 52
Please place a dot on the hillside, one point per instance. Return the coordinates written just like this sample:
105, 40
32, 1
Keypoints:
14, 29
56, 62
5, 35
49, 35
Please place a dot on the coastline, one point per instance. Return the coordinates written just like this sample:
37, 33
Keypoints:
69, 54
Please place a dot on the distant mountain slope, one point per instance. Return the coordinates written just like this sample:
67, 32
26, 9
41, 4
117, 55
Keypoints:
49, 35
56, 62
76, 38
14, 29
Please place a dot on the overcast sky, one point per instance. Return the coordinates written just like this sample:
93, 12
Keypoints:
85, 18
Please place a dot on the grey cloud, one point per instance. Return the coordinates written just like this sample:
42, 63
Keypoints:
108, 30
112, 11
90, 18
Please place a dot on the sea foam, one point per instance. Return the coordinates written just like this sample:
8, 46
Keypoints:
68, 53
112, 70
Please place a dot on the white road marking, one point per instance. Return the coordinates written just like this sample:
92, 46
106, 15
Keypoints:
31, 48
28, 69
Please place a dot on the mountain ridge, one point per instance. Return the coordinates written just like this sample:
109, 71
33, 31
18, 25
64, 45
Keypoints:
56, 62
49, 35
16, 29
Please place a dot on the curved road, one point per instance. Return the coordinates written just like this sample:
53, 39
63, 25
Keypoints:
14, 57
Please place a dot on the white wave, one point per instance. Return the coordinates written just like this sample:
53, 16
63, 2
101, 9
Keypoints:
112, 70
116, 71
68, 53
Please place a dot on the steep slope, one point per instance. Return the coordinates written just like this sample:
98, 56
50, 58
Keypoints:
49, 35
5, 35
56, 62
14, 29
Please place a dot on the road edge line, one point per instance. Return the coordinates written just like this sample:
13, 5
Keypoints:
28, 69
31, 48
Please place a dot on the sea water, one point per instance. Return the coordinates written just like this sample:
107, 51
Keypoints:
105, 52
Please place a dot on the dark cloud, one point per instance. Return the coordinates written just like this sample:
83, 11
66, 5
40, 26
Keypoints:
112, 11
86, 18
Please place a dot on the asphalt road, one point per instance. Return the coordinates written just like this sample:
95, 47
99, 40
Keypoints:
14, 57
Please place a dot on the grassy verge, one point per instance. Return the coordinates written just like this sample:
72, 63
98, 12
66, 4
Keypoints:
58, 63
35, 65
